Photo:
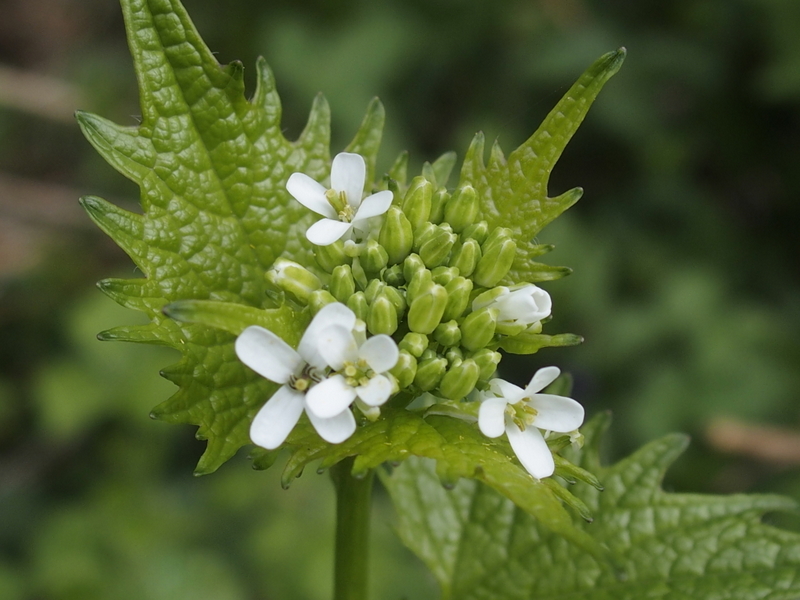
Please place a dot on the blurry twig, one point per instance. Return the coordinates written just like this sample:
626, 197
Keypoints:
775, 445
40, 95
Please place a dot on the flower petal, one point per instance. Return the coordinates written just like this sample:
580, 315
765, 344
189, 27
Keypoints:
348, 172
267, 354
491, 417
372, 206
329, 397
310, 194
380, 352
335, 313
277, 418
541, 379
509, 391
336, 429
326, 231
337, 345
376, 392
531, 450
557, 413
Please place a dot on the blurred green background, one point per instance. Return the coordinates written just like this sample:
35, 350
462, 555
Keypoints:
684, 248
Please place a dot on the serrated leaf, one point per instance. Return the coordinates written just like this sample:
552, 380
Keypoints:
668, 546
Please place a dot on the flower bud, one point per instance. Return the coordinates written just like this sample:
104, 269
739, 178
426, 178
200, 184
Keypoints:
454, 356
458, 291
404, 369
397, 299
414, 343
422, 234
374, 257
447, 334
394, 276
331, 256
462, 209
429, 373
487, 361
518, 309
496, 235
374, 288
420, 283
318, 299
444, 275
478, 232
342, 284
396, 235
417, 202
294, 279
465, 258
495, 263
426, 310
358, 273
437, 248
438, 202
382, 316
478, 328
411, 265
459, 380
359, 305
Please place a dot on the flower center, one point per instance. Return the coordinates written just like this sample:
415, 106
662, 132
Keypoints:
338, 200
522, 414
357, 373
303, 380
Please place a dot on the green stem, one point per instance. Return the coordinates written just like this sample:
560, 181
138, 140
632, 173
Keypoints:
353, 495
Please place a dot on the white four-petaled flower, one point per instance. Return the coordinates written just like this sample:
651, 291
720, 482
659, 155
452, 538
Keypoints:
521, 413
341, 205
523, 306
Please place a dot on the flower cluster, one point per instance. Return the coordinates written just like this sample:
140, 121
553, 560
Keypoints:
409, 294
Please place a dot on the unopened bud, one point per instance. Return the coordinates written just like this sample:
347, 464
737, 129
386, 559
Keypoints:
478, 328
414, 343
496, 236
358, 273
487, 361
438, 202
397, 299
411, 265
359, 305
465, 258
318, 299
454, 356
495, 263
382, 317
396, 235
478, 232
374, 288
331, 256
394, 276
458, 291
404, 369
459, 380
342, 284
429, 373
444, 275
294, 279
420, 283
422, 234
437, 248
462, 209
417, 202
374, 257
447, 334
426, 310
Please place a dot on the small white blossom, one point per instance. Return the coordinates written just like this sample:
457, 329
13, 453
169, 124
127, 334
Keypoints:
341, 205
521, 413
522, 307
299, 371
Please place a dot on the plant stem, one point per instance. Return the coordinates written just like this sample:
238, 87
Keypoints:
351, 576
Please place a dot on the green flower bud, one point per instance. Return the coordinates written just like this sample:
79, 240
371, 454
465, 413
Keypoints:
426, 310
429, 373
359, 305
382, 316
459, 380
487, 297
462, 209
497, 235
414, 343
420, 283
465, 258
436, 250
417, 202
294, 279
422, 234
478, 328
331, 256
454, 356
487, 361
444, 275
396, 235
318, 299
374, 288
374, 257
358, 273
411, 265
438, 202
397, 299
404, 370
447, 334
428, 354
394, 276
478, 232
495, 263
342, 284
458, 291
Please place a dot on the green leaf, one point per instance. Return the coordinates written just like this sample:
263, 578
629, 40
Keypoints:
666, 546
513, 190
212, 168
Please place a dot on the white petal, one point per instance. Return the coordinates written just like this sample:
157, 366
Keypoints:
310, 194
337, 345
336, 429
348, 173
557, 413
329, 397
531, 450
509, 391
376, 392
277, 418
267, 354
491, 417
326, 231
380, 352
541, 379
335, 313
372, 206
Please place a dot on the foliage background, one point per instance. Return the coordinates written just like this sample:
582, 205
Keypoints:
684, 247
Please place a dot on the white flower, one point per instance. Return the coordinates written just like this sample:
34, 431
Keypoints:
520, 307
359, 366
299, 371
522, 413
341, 204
